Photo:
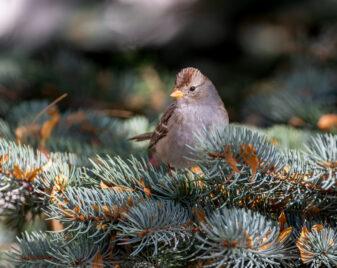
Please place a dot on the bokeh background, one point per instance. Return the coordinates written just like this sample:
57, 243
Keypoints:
121, 56
273, 62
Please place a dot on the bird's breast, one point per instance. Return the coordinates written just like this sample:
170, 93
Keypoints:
182, 126
190, 120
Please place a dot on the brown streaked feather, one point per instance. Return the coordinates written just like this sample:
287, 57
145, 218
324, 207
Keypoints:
141, 137
161, 129
185, 76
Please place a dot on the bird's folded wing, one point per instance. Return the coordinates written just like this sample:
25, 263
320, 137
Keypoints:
162, 127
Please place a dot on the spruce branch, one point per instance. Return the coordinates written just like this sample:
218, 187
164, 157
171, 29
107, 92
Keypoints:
154, 223
26, 175
247, 169
322, 151
54, 250
142, 215
19, 167
86, 209
242, 238
318, 246
138, 175
83, 132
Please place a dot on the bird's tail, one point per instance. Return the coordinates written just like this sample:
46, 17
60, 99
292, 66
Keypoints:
142, 137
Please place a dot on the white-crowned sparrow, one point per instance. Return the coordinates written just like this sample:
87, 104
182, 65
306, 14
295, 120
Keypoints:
197, 104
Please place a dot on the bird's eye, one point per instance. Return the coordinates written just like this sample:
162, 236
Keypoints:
192, 88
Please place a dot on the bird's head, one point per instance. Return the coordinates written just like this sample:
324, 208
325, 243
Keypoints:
192, 86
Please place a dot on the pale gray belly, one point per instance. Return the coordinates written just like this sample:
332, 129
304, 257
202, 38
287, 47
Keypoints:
174, 149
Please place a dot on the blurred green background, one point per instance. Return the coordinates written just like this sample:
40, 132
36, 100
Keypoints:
273, 62
121, 56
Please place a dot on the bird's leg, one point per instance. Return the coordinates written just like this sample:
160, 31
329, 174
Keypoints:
153, 160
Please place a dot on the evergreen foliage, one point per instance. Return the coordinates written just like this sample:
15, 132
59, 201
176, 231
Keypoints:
78, 194
254, 203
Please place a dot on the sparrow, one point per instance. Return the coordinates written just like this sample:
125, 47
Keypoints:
197, 104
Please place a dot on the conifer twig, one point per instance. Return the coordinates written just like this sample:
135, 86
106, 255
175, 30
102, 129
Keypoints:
48, 107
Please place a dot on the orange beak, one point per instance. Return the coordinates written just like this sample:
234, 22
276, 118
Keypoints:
177, 93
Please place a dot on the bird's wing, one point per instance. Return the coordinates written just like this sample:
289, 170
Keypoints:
161, 129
